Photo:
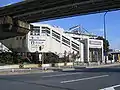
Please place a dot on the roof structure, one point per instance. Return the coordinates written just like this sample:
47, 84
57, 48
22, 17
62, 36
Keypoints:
79, 30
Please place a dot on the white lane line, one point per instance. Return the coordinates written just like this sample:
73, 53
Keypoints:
69, 81
116, 86
58, 75
111, 88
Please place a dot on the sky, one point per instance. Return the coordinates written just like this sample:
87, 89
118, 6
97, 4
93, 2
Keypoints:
92, 22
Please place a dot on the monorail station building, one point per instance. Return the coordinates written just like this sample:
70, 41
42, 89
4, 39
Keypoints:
44, 38
92, 47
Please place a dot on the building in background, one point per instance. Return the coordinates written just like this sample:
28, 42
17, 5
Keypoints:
114, 55
93, 48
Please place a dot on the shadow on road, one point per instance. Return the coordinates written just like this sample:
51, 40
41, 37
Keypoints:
33, 83
95, 70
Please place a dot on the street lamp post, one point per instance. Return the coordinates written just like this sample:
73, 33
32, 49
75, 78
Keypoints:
105, 37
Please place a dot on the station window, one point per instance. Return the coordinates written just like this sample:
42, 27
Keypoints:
16, 38
24, 37
38, 33
20, 38
55, 34
76, 47
65, 40
36, 30
75, 43
45, 30
40, 48
32, 37
66, 44
31, 32
32, 42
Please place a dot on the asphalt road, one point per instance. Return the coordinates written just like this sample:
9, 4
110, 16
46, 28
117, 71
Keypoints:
81, 79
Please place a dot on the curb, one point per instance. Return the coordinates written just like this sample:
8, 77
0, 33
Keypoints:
80, 67
68, 69
103, 66
21, 73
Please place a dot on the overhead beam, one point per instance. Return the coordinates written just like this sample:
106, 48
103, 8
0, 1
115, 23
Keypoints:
40, 10
70, 10
11, 28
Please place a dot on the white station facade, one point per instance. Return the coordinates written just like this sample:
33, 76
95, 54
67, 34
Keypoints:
44, 38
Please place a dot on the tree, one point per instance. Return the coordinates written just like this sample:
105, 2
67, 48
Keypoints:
65, 56
105, 44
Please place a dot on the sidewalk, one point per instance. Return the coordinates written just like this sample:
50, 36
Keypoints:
53, 69
104, 65
23, 71
84, 66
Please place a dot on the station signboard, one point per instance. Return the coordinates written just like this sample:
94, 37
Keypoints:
95, 43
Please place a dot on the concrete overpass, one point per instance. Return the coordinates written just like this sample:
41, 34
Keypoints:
40, 10
10, 27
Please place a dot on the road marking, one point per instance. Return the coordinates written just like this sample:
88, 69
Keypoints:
58, 75
111, 88
69, 81
116, 86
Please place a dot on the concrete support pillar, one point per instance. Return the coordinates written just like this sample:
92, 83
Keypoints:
40, 30
88, 51
82, 53
107, 58
50, 40
103, 60
113, 58
70, 45
79, 51
60, 43
40, 57
119, 57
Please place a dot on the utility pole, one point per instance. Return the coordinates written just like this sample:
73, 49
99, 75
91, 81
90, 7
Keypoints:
105, 37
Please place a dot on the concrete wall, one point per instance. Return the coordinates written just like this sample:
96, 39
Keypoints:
16, 43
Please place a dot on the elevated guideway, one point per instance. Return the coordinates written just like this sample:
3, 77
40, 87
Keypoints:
41, 10
30, 11
11, 28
